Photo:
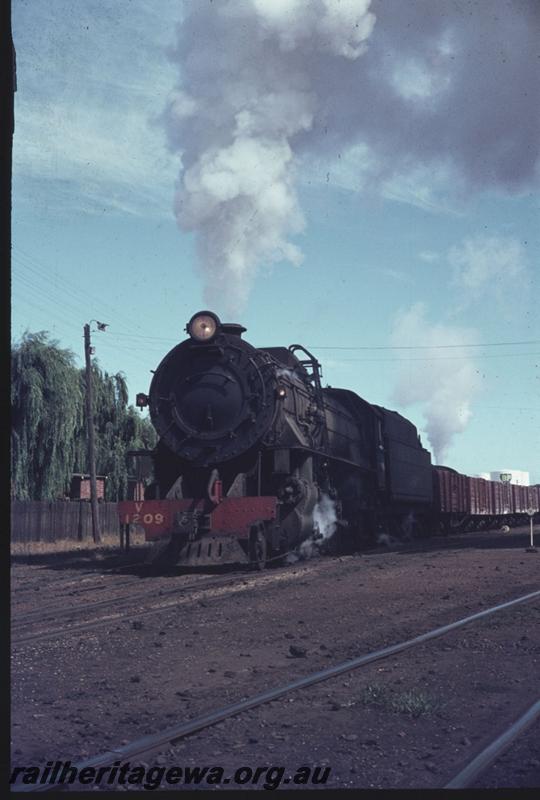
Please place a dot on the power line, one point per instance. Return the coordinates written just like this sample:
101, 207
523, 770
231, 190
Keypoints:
168, 340
147, 350
81, 296
434, 358
422, 346
62, 321
33, 265
71, 313
119, 349
31, 290
509, 408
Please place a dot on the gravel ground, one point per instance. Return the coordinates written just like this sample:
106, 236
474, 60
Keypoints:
518, 767
412, 720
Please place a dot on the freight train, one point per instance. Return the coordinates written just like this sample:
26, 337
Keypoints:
256, 458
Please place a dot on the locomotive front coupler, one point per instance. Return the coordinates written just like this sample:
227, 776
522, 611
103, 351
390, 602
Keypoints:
186, 525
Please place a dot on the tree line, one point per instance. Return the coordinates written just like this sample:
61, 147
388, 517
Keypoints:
48, 434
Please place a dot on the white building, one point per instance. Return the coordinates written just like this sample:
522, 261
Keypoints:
519, 476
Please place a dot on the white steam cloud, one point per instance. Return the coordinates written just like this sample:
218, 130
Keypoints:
487, 269
423, 87
445, 385
325, 522
248, 93
325, 517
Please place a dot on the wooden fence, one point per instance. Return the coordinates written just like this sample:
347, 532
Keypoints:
42, 521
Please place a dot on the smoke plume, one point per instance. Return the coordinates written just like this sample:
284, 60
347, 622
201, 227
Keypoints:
247, 94
265, 85
446, 384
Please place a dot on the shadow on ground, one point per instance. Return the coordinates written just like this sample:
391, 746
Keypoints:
117, 561
516, 539
134, 562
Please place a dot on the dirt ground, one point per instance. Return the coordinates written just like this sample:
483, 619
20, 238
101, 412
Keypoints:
412, 720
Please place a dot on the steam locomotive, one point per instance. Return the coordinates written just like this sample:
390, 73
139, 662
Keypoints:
256, 457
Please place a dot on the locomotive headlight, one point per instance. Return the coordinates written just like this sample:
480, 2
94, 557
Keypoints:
281, 392
203, 326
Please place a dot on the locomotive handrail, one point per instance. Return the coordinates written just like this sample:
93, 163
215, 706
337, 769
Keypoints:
261, 379
315, 377
294, 347
312, 361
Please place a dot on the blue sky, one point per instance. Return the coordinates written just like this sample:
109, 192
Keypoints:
387, 227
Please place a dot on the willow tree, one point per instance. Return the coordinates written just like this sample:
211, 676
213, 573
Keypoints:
47, 413
118, 428
49, 439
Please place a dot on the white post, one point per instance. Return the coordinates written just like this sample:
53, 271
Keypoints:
531, 548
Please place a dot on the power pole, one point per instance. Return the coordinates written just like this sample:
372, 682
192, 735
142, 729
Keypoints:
91, 446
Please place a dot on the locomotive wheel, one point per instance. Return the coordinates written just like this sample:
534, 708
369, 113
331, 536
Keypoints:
257, 547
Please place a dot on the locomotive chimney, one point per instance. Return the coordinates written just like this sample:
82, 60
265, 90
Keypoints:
233, 329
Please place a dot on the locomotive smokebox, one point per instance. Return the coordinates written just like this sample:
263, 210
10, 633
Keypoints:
212, 397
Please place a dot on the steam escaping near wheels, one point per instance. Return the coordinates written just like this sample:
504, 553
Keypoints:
325, 524
325, 518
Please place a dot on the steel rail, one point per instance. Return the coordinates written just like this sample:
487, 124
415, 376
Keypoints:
86, 574
20, 620
25, 619
478, 765
203, 585
114, 617
154, 742
57, 612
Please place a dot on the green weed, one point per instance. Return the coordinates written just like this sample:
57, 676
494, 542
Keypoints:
414, 702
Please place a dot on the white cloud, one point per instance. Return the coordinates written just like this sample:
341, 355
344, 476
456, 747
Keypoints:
489, 266
428, 188
92, 81
109, 158
414, 80
429, 256
359, 169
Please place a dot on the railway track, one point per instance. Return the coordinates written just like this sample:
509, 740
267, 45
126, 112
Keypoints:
56, 612
189, 593
155, 742
83, 612
116, 614
236, 580
470, 773
95, 583
92, 580
68, 596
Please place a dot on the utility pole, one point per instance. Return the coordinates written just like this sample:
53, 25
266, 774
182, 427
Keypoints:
88, 350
